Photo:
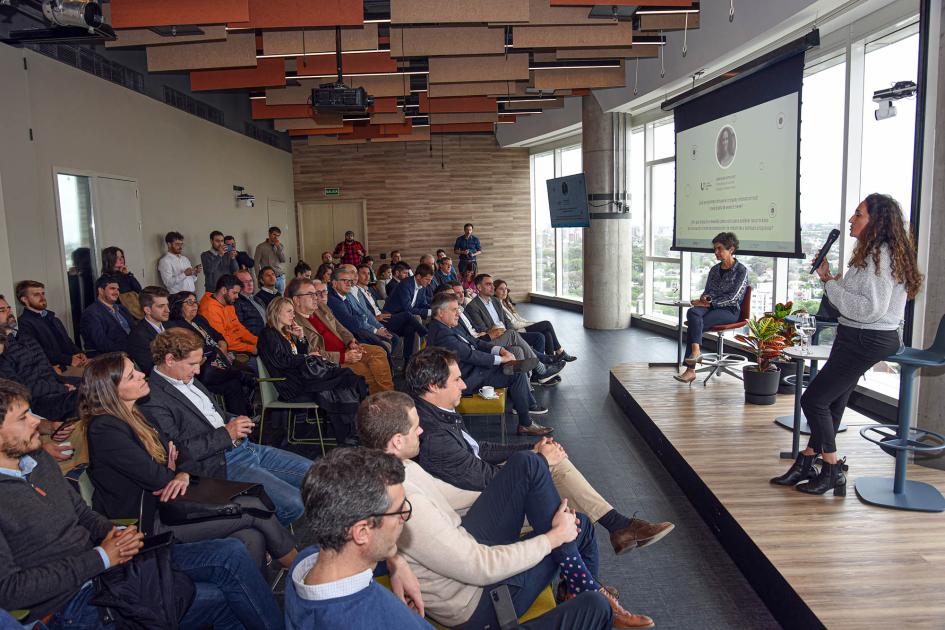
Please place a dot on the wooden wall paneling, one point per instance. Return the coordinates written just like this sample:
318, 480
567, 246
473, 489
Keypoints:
478, 88
147, 37
416, 205
353, 63
237, 51
623, 52
453, 11
147, 13
512, 67
329, 140
580, 78
607, 34
668, 22
446, 40
296, 13
461, 104
291, 95
268, 73
475, 117
396, 117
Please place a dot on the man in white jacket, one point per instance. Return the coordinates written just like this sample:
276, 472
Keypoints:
464, 546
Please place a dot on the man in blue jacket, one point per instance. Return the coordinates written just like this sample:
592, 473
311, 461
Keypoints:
410, 297
106, 324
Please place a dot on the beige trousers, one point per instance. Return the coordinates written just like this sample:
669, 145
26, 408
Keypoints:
572, 486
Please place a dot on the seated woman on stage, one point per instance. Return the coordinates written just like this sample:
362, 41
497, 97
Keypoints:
552, 345
133, 467
284, 351
871, 298
217, 373
721, 300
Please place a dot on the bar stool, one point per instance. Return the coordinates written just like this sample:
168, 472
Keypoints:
717, 363
900, 493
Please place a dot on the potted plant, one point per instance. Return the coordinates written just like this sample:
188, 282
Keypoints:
765, 340
789, 331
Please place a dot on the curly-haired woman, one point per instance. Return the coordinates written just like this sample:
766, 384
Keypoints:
871, 298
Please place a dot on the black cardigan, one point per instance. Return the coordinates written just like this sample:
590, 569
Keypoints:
276, 354
123, 473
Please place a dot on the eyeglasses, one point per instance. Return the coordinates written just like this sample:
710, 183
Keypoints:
320, 293
347, 280
4, 309
309, 294
190, 302
404, 514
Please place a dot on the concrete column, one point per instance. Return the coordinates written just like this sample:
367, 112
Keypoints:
607, 241
931, 400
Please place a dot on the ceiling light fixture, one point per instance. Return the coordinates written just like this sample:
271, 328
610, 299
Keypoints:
321, 54
554, 65
545, 99
378, 21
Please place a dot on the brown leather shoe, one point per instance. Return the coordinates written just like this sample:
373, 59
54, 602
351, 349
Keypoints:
534, 429
624, 618
639, 533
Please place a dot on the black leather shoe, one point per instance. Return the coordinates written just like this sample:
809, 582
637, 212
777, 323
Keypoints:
801, 470
831, 477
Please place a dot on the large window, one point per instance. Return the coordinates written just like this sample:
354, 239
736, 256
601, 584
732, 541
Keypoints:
558, 254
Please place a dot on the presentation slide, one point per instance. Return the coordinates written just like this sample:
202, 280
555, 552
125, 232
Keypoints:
738, 173
567, 201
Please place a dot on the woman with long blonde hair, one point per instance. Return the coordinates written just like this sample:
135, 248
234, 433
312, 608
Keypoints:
133, 467
871, 299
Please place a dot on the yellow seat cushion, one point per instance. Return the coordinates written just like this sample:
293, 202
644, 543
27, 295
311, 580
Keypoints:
542, 604
476, 405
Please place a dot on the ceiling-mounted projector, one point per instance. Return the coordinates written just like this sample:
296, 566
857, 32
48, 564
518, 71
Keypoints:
338, 97
81, 13
68, 21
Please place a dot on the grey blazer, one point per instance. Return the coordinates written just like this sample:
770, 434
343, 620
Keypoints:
480, 318
184, 424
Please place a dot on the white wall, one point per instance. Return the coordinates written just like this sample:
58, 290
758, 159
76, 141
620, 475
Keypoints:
185, 167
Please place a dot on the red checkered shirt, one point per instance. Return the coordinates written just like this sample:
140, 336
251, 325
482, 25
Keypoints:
350, 253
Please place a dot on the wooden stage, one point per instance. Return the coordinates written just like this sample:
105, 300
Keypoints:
815, 560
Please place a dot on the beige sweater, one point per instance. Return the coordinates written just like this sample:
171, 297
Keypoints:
451, 566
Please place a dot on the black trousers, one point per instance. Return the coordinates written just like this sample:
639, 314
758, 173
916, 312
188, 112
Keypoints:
551, 339
854, 351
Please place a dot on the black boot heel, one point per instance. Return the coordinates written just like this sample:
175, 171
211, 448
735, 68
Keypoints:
831, 477
801, 470
841, 490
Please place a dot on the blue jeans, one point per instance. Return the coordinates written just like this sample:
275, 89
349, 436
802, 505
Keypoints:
535, 340
524, 488
699, 318
230, 592
280, 472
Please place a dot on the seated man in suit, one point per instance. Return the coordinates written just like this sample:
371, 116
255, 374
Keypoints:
410, 296
41, 324
219, 311
106, 324
154, 303
344, 301
218, 441
325, 333
481, 362
23, 361
449, 453
400, 271
249, 309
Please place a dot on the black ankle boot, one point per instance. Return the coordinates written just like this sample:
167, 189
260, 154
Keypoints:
831, 477
801, 470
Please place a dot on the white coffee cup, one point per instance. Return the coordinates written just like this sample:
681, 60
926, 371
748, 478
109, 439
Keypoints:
487, 391
68, 452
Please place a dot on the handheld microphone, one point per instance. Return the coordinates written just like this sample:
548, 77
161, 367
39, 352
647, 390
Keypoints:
831, 239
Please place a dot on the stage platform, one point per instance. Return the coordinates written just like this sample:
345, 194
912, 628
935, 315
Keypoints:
816, 561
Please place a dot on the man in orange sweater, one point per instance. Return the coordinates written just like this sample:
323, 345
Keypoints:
218, 309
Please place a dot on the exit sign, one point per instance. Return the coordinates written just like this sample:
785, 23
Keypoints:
333, 192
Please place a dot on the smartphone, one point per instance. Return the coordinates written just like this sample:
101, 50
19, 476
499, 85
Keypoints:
504, 608
156, 541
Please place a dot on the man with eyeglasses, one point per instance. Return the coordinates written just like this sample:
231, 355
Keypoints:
345, 304
356, 509
335, 342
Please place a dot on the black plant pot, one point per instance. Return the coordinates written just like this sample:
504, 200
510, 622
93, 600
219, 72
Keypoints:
788, 372
761, 388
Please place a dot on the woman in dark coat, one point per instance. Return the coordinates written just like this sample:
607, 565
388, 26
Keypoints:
308, 377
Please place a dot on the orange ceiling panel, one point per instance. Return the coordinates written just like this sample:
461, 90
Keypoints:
461, 127
458, 104
322, 132
397, 129
147, 13
362, 132
588, 3
301, 13
386, 105
357, 63
267, 73
262, 111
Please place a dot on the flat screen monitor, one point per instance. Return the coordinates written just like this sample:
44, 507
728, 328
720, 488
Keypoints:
567, 201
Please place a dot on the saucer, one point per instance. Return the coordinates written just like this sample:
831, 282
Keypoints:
496, 397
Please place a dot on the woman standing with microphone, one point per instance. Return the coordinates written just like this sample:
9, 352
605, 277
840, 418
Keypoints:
871, 298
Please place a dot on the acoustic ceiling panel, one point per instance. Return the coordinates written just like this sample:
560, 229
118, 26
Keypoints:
668, 21
446, 40
461, 104
332, 140
512, 67
388, 118
323, 39
624, 52
579, 78
462, 128
321, 121
590, 3
301, 13
268, 73
448, 119
608, 34
292, 95
416, 135
384, 105
147, 37
148, 13
457, 11
352, 63
543, 14
237, 51
346, 128
478, 88
532, 104
262, 110
382, 86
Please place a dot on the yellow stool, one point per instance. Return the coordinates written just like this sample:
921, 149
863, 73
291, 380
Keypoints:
542, 604
476, 405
